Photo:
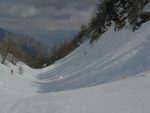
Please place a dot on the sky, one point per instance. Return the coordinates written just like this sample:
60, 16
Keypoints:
46, 20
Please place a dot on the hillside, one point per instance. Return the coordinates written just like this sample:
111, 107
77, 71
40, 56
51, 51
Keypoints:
28, 44
117, 66
115, 56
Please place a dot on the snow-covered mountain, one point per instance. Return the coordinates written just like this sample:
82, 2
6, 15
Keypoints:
110, 76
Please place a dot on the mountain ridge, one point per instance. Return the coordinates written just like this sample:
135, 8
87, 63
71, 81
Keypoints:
27, 43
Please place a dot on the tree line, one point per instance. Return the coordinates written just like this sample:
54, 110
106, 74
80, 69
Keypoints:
11, 52
117, 13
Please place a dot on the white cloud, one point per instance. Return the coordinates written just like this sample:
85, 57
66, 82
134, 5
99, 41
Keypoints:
72, 23
24, 11
47, 18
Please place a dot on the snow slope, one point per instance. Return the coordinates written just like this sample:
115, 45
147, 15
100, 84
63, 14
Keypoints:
124, 96
117, 66
13, 87
115, 56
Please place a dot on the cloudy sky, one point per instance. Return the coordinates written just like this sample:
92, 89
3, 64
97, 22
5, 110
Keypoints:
45, 19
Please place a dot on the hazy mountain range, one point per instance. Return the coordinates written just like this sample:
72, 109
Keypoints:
27, 43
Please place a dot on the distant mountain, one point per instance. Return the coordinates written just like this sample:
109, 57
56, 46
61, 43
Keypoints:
3, 33
28, 44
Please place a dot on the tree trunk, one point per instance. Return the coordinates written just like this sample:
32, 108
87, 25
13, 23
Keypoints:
5, 56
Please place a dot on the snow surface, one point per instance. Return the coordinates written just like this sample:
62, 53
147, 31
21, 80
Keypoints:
115, 56
112, 76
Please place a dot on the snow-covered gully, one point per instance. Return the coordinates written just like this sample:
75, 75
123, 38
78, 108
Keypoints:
112, 77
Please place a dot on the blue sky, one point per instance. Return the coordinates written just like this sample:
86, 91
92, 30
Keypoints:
46, 20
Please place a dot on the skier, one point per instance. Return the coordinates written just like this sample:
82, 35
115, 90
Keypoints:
11, 72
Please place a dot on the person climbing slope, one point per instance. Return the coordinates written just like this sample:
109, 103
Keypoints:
12, 72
